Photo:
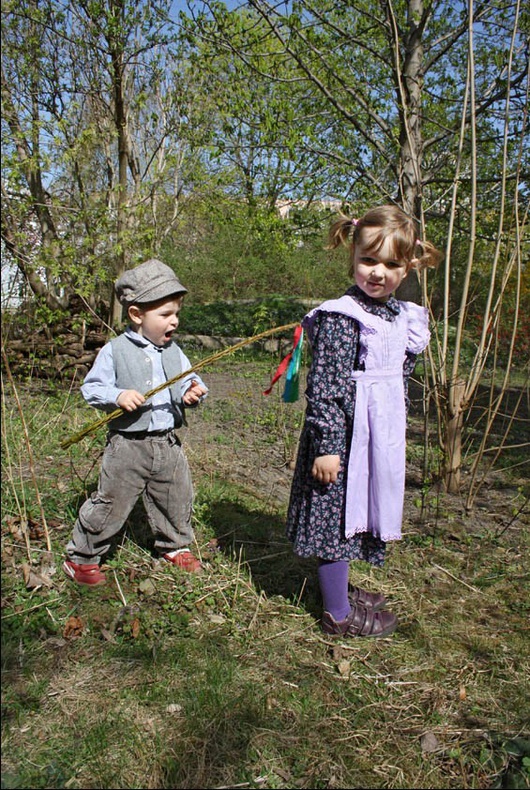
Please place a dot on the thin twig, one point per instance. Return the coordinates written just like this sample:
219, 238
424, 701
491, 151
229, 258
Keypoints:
123, 600
513, 519
31, 609
301, 592
208, 361
258, 780
254, 616
28, 447
9, 467
475, 589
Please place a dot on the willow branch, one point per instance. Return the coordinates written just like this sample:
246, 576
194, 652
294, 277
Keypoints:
208, 361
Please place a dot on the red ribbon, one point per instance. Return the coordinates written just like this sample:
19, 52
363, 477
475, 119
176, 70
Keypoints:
282, 367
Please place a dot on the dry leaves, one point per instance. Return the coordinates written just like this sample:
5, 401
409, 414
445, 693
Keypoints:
73, 628
34, 580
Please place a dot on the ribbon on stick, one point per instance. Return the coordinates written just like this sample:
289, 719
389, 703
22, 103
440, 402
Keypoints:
291, 364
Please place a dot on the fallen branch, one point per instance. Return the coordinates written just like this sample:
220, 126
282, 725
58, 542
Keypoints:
208, 361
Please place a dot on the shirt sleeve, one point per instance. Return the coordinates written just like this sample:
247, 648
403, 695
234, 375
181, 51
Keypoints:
99, 387
417, 341
330, 387
418, 327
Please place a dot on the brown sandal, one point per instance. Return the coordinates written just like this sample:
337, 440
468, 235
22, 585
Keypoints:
370, 600
360, 622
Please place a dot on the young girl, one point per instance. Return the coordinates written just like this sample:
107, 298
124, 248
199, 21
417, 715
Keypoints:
347, 493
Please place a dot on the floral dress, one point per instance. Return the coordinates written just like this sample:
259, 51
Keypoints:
316, 512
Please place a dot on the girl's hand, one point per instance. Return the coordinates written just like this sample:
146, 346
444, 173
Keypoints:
129, 400
194, 393
326, 468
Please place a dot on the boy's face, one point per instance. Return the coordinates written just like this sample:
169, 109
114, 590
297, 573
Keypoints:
158, 321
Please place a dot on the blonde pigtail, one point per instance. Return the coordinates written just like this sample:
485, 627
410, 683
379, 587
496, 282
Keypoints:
340, 233
427, 257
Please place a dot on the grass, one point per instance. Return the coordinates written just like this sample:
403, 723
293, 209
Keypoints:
162, 680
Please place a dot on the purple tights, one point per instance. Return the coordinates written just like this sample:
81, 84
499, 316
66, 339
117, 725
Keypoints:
333, 580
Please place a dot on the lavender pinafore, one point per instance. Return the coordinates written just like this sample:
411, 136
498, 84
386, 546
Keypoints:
373, 458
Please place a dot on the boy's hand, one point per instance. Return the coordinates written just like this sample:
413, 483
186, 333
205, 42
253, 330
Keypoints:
194, 393
129, 400
326, 468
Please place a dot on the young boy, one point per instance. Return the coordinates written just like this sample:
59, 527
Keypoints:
143, 455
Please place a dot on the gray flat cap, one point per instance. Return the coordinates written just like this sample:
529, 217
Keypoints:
148, 282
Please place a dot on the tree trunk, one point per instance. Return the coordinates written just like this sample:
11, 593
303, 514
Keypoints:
121, 124
126, 160
28, 156
407, 49
453, 436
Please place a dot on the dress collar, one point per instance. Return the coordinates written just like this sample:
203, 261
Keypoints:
392, 304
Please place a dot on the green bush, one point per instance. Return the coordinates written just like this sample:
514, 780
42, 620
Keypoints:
241, 319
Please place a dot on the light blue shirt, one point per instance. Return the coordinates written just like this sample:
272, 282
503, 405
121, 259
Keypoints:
99, 387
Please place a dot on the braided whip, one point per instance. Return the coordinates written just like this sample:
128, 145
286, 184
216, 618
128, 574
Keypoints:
208, 361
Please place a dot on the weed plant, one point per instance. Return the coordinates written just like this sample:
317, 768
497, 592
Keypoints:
165, 680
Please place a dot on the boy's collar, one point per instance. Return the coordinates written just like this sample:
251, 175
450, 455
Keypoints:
140, 340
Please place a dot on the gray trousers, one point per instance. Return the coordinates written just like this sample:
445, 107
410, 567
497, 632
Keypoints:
155, 468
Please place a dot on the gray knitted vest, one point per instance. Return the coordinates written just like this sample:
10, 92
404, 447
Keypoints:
134, 371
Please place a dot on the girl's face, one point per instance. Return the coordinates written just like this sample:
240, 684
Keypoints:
377, 273
157, 322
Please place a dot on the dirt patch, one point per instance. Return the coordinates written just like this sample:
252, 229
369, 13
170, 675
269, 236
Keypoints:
236, 437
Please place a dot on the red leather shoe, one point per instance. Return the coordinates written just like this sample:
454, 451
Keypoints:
89, 575
184, 560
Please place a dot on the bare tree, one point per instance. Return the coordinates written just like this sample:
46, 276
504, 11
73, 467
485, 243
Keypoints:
457, 384
424, 104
